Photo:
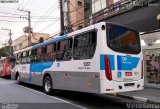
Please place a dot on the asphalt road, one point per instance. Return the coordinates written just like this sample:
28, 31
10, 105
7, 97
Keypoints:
28, 96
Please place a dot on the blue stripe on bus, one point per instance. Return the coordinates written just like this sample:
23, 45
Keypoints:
112, 62
39, 67
50, 41
127, 62
101, 62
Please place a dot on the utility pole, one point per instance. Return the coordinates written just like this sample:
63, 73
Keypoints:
29, 26
61, 17
9, 41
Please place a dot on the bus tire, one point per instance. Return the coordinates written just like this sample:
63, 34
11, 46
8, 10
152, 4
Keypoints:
47, 85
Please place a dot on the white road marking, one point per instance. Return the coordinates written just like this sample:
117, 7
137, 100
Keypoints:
140, 98
6, 82
54, 97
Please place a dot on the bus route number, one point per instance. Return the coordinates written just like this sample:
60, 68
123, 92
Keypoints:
87, 64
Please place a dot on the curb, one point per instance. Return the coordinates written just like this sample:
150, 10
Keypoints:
146, 100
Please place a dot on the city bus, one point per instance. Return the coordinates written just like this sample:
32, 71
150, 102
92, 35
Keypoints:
5, 67
101, 58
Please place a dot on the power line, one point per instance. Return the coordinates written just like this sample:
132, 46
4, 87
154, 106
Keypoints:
83, 7
47, 12
82, 19
30, 4
32, 18
87, 18
11, 13
20, 4
25, 5
26, 21
47, 26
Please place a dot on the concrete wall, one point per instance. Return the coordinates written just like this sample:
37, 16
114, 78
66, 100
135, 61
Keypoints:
76, 14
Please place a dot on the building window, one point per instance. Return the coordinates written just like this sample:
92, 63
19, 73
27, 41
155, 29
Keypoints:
79, 3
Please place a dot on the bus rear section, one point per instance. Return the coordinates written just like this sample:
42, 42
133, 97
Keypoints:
121, 62
5, 68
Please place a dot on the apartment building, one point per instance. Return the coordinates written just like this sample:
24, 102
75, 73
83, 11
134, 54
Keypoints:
22, 41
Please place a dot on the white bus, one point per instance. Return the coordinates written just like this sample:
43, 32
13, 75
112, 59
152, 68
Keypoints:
101, 58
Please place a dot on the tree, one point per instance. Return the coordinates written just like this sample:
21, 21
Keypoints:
4, 51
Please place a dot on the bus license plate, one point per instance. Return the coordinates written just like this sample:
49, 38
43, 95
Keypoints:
128, 73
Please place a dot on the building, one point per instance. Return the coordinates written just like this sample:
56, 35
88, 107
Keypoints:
73, 14
22, 41
151, 58
98, 5
137, 14
87, 12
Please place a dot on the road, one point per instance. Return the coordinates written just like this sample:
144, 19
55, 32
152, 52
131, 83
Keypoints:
32, 97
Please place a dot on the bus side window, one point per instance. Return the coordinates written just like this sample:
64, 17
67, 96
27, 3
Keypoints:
38, 55
53, 55
50, 52
60, 49
68, 50
31, 56
28, 56
86, 45
23, 58
20, 57
17, 59
64, 49
47, 51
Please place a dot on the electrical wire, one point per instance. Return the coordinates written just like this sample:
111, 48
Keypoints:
20, 4
79, 21
11, 14
32, 2
32, 17
47, 26
26, 5
48, 12
26, 21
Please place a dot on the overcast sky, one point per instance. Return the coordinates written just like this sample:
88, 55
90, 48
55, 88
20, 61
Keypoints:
44, 17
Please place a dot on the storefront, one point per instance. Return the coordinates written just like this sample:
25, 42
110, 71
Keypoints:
151, 57
152, 67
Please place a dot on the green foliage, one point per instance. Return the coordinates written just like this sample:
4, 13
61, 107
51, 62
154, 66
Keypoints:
4, 51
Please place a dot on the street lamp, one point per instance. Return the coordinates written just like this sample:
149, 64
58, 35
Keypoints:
158, 19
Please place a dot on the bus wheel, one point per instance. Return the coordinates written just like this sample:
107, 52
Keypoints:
47, 85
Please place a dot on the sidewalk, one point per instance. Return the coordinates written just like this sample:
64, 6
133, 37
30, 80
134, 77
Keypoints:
149, 95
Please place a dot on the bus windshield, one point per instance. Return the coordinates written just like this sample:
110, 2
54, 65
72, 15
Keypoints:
122, 39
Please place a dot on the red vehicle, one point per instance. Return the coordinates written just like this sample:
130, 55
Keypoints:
5, 67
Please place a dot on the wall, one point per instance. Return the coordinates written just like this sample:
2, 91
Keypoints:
76, 14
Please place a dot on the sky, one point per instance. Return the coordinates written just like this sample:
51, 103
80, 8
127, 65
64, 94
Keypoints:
44, 17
